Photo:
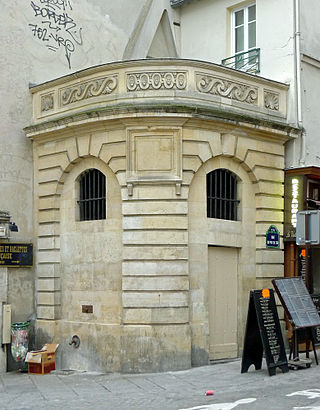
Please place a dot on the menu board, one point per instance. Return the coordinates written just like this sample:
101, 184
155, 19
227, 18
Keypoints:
263, 333
297, 302
316, 330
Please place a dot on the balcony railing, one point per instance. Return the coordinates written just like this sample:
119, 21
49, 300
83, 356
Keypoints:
248, 61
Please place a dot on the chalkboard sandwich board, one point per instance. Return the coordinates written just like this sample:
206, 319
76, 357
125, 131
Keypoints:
263, 333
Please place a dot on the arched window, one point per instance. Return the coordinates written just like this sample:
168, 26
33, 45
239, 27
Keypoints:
222, 201
92, 198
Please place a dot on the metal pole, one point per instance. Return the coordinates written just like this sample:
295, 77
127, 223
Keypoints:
306, 221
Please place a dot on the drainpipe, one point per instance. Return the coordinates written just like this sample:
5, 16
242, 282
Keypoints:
297, 56
3, 301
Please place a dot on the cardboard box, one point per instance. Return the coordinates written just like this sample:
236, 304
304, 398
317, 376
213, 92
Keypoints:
42, 361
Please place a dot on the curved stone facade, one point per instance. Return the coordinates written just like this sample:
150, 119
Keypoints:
155, 128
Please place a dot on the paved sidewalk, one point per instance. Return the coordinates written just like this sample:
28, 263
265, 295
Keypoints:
159, 391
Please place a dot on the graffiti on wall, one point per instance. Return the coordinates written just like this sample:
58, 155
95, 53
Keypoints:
55, 27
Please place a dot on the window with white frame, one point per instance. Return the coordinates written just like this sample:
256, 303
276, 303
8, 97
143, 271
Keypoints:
243, 22
244, 28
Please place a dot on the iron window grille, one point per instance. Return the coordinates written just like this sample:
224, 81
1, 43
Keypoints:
92, 202
222, 202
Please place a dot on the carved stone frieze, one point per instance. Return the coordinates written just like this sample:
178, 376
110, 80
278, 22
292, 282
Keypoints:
225, 88
47, 102
176, 80
271, 100
88, 89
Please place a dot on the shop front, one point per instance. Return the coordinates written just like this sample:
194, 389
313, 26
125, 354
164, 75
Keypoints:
302, 192
301, 258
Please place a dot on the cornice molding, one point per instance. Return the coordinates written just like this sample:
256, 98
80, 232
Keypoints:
310, 60
206, 113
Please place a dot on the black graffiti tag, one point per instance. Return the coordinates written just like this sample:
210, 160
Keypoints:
57, 4
55, 27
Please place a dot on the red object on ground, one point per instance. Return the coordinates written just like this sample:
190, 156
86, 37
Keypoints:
209, 392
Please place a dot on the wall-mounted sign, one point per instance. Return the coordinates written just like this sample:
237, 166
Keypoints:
293, 193
16, 254
308, 227
3, 231
272, 237
302, 263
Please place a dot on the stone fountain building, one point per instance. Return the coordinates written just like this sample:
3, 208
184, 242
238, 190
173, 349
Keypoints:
155, 182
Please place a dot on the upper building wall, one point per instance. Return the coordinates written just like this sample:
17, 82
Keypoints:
309, 154
288, 39
206, 35
310, 35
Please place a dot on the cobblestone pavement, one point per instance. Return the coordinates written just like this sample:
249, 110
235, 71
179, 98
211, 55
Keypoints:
160, 391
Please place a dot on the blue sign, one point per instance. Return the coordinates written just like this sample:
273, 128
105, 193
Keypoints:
272, 237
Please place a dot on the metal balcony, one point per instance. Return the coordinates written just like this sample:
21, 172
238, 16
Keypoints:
248, 61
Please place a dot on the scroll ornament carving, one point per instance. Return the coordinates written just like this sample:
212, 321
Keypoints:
156, 81
47, 102
271, 101
228, 89
89, 89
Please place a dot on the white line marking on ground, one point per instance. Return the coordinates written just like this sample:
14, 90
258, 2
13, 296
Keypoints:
311, 394
222, 406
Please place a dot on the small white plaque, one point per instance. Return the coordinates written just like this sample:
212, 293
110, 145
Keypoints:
3, 231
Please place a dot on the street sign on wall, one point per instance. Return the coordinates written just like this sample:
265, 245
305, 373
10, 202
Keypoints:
272, 237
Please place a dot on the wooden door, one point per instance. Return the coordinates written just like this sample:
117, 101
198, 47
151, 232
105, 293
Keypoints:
223, 302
